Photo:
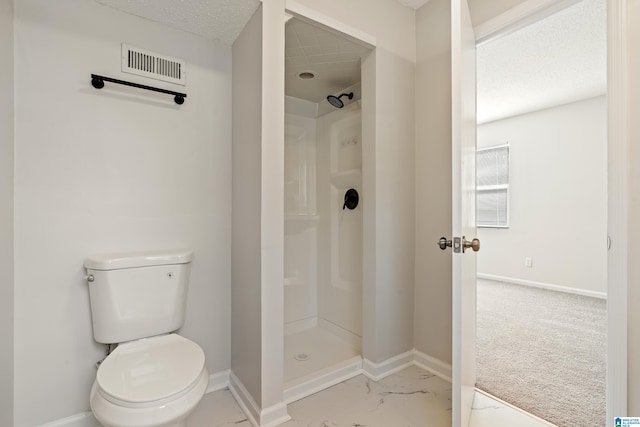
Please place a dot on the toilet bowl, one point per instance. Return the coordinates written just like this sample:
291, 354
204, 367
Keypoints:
150, 382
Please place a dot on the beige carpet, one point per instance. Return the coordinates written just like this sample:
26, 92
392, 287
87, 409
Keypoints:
543, 351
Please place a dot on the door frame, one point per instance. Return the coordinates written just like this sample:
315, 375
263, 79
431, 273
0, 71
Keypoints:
617, 193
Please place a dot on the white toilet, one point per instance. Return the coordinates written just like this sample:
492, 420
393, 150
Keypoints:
153, 378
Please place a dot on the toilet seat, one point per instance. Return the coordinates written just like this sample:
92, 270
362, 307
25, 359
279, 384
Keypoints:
169, 412
148, 371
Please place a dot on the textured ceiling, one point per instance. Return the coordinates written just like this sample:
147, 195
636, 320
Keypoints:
220, 20
557, 60
333, 58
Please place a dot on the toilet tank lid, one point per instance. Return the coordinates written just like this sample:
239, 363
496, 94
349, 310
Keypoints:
117, 261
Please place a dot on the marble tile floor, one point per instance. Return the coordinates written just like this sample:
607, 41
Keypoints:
411, 397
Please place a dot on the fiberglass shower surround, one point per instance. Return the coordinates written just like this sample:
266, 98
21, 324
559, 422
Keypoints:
323, 224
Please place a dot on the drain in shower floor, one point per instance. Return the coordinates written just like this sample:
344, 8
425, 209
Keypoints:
302, 357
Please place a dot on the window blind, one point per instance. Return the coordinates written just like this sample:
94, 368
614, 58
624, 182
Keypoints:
492, 186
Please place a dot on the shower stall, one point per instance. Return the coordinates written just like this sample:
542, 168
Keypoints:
323, 210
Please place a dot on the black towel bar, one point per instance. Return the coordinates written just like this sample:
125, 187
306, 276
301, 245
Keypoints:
98, 82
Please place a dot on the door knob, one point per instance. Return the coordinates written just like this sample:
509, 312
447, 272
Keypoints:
474, 244
444, 243
458, 243
455, 244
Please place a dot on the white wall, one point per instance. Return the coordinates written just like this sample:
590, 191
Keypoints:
388, 174
6, 207
258, 211
110, 170
433, 180
246, 329
272, 207
394, 204
557, 198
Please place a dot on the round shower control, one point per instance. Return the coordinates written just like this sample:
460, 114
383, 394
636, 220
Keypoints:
351, 199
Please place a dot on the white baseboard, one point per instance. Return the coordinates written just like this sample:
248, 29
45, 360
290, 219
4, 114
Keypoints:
268, 417
274, 415
84, 419
218, 381
378, 371
244, 399
551, 287
433, 365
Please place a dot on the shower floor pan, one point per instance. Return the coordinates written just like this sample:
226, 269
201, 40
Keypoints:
316, 359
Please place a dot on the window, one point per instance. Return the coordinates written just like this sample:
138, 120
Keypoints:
492, 186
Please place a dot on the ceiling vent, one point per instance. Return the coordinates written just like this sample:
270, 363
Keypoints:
144, 63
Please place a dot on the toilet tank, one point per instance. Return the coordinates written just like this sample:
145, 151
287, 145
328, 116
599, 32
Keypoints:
137, 294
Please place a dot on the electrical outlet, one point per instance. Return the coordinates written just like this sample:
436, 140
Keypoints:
528, 262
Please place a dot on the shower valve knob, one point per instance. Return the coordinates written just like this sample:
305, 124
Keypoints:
351, 199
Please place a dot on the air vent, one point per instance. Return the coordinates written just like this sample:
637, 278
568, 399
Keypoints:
144, 63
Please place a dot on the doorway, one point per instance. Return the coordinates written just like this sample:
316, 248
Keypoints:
555, 190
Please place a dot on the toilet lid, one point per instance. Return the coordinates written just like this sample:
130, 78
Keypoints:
150, 369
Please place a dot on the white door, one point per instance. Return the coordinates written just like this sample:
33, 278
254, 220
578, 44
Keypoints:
463, 83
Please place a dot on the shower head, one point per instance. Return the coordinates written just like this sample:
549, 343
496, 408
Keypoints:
336, 101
